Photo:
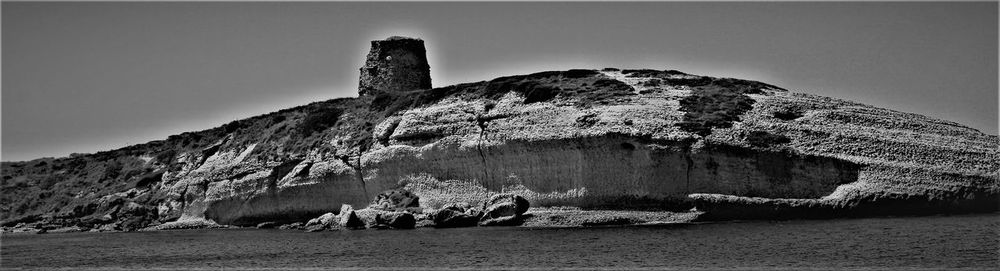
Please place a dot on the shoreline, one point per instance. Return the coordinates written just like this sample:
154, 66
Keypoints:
543, 217
538, 219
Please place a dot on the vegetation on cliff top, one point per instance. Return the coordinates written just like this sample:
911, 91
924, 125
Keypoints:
713, 103
583, 87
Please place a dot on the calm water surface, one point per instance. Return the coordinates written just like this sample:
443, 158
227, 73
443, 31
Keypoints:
939, 242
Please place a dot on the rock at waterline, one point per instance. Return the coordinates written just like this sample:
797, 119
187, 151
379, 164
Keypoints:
349, 219
328, 220
396, 220
450, 218
464, 207
520, 202
503, 214
503, 210
325, 220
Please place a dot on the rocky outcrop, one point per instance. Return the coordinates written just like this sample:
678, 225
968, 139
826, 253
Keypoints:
349, 219
584, 138
396, 220
456, 216
325, 221
186, 224
503, 210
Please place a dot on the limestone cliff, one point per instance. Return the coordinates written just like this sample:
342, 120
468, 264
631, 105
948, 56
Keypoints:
609, 139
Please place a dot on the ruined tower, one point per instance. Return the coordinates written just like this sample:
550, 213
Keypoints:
395, 64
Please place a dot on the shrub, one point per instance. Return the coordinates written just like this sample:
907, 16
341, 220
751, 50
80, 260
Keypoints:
587, 120
232, 126
651, 83
651, 73
112, 169
716, 108
789, 114
579, 73
278, 118
319, 121
149, 179
764, 139
46, 182
166, 156
731, 84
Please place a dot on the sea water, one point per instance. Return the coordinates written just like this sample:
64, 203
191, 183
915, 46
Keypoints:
931, 242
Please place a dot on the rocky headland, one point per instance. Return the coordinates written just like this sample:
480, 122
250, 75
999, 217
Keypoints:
558, 148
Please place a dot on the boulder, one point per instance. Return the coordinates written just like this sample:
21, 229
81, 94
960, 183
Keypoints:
450, 218
474, 212
368, 216
503, 210
463, 207
395, 200
350, 220
325, 220
328, 220
424, 220
396, 220
520, 202
345, 208
502, 214
311, 222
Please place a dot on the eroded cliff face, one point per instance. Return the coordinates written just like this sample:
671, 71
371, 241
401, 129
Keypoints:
612, 139
589, 149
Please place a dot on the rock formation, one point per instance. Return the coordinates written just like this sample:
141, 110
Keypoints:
504, 210
455, 216
395, 64
396, 220
608, 139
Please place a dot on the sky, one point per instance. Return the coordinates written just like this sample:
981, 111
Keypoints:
87, 77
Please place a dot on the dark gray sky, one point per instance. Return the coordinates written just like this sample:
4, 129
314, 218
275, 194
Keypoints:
85, 77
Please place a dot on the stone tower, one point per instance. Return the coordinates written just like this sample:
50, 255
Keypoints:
395, 64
